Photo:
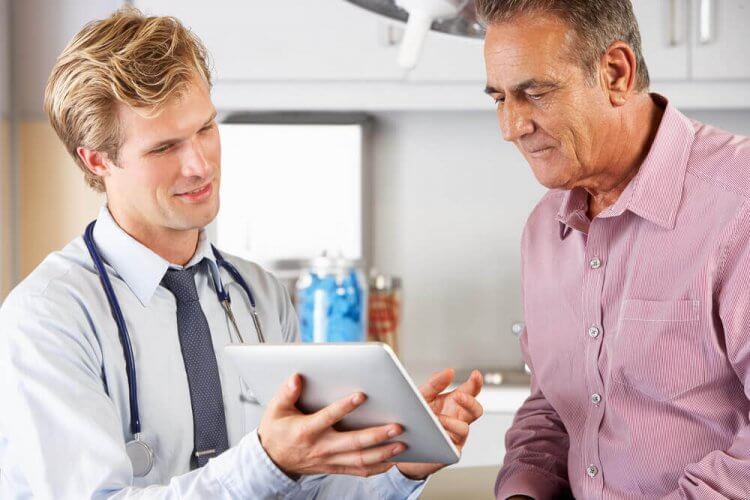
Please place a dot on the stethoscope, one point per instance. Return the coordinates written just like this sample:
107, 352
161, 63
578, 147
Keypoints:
140, 453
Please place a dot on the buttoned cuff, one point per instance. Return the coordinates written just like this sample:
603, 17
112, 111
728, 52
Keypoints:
529, 481
247, 471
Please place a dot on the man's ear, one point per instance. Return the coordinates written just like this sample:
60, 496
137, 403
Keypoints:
96, 162
618, 70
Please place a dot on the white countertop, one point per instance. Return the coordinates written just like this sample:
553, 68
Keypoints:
502, 399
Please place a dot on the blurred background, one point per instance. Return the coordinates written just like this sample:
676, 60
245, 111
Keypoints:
401, 170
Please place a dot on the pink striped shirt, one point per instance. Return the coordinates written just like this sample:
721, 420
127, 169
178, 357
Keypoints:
638, 331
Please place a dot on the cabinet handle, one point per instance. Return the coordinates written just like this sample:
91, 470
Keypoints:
706, 22
674, 37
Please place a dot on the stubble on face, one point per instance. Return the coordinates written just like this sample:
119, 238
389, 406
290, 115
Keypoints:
549, 107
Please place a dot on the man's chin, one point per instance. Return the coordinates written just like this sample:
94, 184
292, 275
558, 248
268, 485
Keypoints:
547, 178
194, 219
549, 174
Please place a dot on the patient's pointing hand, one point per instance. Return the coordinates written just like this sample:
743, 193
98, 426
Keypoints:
455, 410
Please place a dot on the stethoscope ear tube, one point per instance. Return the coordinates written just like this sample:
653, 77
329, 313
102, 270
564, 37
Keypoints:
226, 300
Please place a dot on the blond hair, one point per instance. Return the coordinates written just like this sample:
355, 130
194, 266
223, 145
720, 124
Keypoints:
128, 58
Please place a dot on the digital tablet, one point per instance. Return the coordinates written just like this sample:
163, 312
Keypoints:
334, 371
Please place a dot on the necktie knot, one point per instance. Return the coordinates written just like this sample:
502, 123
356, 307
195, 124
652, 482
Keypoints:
181, 282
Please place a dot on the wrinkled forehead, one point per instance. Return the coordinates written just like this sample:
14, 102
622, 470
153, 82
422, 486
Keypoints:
528, 47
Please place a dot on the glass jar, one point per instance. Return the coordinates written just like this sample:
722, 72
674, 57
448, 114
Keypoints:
332, 301
384, 309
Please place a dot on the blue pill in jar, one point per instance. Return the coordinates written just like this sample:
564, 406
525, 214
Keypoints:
331, 301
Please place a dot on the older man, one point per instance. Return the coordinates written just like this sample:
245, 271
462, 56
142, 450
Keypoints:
636, 266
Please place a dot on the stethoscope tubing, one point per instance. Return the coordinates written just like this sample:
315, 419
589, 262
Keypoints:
127, 347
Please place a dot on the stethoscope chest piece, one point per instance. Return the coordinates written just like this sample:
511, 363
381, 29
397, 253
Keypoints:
141, 456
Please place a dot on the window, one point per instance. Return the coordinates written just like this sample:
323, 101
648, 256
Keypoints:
291, 189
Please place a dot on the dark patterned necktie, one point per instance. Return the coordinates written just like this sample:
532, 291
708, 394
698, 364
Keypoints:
209, 421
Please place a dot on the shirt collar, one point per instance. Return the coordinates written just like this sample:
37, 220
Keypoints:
138, 266
656, 190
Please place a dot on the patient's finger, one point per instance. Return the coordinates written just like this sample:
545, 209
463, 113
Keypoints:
437, 384
458, 429
469, 408
472, 385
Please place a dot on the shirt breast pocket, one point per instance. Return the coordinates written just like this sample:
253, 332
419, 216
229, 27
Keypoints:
659, 350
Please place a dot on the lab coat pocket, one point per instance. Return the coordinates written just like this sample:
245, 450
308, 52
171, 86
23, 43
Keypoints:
659, 350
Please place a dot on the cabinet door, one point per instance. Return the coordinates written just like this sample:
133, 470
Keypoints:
664, 34
450, 58
721, 39
287, 40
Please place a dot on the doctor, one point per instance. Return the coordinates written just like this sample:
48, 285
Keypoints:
82, 418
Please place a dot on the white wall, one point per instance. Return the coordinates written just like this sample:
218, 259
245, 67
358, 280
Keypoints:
450, 200
53, 201
42, 28
733, 121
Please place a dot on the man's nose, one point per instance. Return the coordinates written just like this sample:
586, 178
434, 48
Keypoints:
514, 120
194, 163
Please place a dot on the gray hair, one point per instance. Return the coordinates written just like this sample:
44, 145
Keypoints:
597, 24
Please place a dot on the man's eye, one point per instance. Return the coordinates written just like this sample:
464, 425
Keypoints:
499, 99
162, 149
206, 128
535, 97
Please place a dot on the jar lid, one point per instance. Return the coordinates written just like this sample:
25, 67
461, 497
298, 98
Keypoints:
334, 262
384, 282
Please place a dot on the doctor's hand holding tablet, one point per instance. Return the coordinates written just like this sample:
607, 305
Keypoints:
317, 424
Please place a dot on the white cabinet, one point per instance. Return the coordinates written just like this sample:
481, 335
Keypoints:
683, 40
664, 35
333, 55
695, 40
287, 40
721, 40
664, 31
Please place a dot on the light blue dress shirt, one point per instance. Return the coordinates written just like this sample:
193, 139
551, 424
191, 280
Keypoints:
64, 411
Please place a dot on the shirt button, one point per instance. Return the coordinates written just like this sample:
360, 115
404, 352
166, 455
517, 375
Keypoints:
596, 398
595, 263
594, 332
592, 471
